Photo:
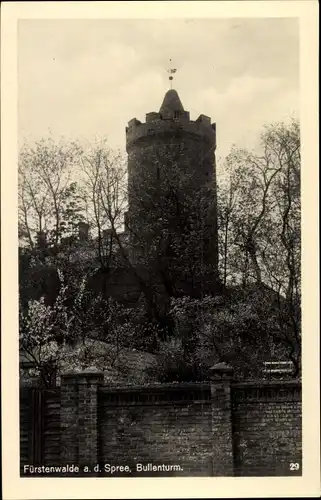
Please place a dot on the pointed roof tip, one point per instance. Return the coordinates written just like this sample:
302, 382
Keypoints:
171, 102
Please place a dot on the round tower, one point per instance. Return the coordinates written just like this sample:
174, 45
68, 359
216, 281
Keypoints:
171, 178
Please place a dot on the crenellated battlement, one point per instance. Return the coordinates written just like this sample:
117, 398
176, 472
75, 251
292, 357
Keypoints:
156, 125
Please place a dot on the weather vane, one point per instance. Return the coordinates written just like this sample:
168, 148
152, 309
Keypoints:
171, 71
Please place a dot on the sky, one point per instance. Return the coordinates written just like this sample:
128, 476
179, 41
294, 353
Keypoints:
85, 79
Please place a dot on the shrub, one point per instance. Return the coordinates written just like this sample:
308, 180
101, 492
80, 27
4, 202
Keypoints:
173, 366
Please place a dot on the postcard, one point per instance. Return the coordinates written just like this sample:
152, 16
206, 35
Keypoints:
159, 249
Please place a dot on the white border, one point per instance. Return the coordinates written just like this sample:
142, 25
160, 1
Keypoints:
15, 487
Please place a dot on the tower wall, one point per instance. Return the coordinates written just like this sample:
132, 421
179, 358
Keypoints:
166, 143
170, 148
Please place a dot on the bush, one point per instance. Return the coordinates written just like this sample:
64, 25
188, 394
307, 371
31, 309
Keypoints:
172, 365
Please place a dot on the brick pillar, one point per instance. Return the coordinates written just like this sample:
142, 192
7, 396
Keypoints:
79, 418
220, 379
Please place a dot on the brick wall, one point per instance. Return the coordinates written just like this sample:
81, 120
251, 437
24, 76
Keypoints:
218, 428
159, 425
267, 428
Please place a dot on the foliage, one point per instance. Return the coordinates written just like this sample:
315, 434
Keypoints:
260, 225
165, 248
60, 336
172, 365
242, 330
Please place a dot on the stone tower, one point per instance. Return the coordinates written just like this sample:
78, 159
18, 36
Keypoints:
172, 214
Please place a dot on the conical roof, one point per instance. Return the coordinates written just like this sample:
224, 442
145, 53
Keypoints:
171, 103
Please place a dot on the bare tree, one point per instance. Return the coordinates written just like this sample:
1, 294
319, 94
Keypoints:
104, 190
48, 200
260, 223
